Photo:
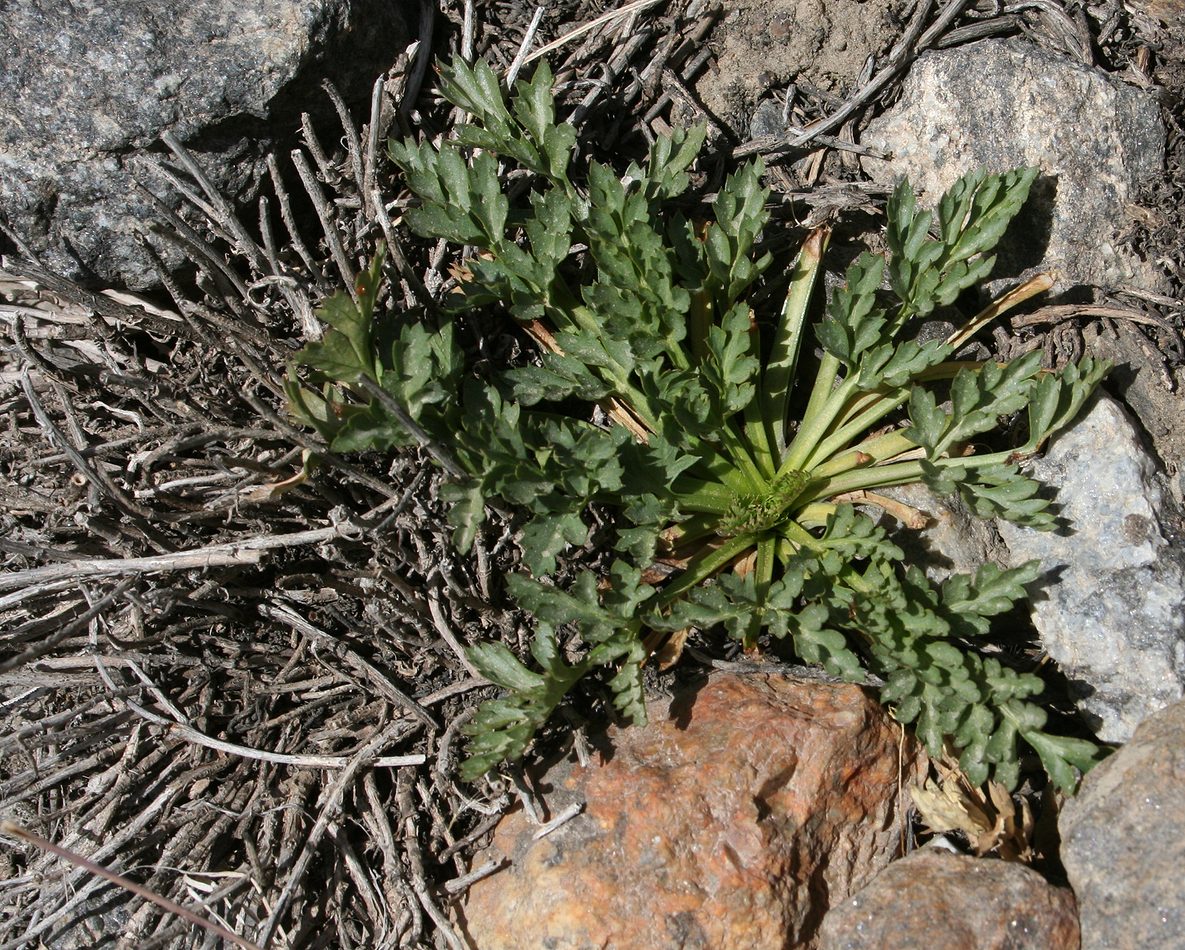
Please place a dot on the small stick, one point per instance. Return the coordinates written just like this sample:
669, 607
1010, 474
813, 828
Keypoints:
325, 216
423, 55
376, 677
468, 29
21, 246
353, 142
1070, 311
365, 758
190, 734
415, 860
442, 456
192, 244
442, 627
373, 134
249, 551
316, 149
908, 515
1037, 284
561, 819
520, 58
225, 216
286, 215
94, 475
604, 18
399, 259
460, 884
9, 828
46, 644
902, 54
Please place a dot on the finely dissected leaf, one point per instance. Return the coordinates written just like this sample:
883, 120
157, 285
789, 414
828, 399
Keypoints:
501, 667
979, 397
993, 590
344, 352
559, 377
503, 728
997, 199
994, 491
854, 323
855, 536
730, 603
364, 428
730, 367
972, 217
466, 514
1064, 758
645, 402
665, 175
545, 536
470, 209
478, 91
334, 356
533, 105
629, 698
1058, 397
740, 215
816, 643
894, 366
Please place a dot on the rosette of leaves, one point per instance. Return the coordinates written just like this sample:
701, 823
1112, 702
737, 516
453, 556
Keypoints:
658, 392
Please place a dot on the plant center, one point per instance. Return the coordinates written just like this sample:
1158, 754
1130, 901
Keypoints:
760, 511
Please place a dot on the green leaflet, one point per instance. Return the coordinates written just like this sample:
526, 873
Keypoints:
971, 218
656, 408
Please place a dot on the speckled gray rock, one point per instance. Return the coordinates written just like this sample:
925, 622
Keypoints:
1123, 841
1006, 103
1113, 612
937, 899
83, 93
1139, 378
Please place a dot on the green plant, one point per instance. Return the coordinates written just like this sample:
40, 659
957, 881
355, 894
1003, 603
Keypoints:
659, 393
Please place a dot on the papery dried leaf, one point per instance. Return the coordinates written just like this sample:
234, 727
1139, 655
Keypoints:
946, 808
671, 651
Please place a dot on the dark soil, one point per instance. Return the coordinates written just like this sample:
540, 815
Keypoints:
186, 622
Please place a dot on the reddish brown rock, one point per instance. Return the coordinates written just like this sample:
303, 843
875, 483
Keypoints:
732, 820
937, 899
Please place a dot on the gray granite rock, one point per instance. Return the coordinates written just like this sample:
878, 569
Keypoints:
1123, 841
1113, 612
1006, 103
85, 93
1157, 402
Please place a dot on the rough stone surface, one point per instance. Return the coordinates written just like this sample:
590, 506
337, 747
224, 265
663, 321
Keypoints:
937, 899
1006, 103
84, 95
734, 819
1113, 612
1123, 841
1158, 405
